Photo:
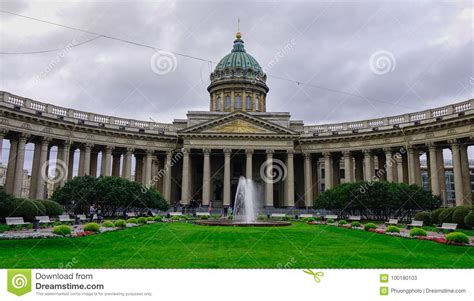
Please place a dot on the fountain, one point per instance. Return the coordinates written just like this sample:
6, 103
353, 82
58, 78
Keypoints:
245, 208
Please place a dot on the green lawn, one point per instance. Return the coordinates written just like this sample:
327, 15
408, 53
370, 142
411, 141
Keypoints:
181, 245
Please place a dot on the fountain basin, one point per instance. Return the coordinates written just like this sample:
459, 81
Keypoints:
231, 223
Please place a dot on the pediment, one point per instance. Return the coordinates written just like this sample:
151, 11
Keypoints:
239, 123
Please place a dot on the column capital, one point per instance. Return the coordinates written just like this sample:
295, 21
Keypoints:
387, 150
206, 151
129, 150
346, 153
149, 152
290, 152
431, 146
185, 150
89, 145
227, 151
23, 137
367, 151
325, 154
3, 132
269, 151
109, 149
46, 140
249, 151
454, 142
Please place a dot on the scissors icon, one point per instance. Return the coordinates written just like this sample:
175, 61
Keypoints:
315, 275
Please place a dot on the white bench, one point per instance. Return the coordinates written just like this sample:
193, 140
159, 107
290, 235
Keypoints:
201, 214
392, 221
415, 224
65, 218
277, 215
330, 216
176, 213
354, 217
82, 217
16, 221
131, 214
302, 216
448, 226
43, 219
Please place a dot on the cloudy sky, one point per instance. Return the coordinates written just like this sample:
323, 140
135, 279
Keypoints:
352, 60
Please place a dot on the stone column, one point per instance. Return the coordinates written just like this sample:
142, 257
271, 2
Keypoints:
93, 164
107, 157
70, 164
62, 164
308, 181
226, 196
87, 159
466, 176
411, 166
248, 163
417, 168
127, 164
328, 172
389, 165
457, 170
268, 179
359, 168
138, 168
368, 165
167, 180
20, 161
35, 170
116, 164
185, 191
148, 169
10, 180
3, 132
82, 152
206, 178
290, 180
441, 175
433, 175
41, 177
348, 168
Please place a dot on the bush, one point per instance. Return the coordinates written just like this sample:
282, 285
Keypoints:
261, 217
132, 221
175, 218
355, 224
150, 219
435, 215
141, 220
457, 237
120, 223
423, 216
108, 224
469, 220
286, 218
417, 232
342, 222
52, 208
446, 216
204, 217
62, 230
460, 214
215, 216
158, 218
230, 217
369, 226
183, 217
392, 229
92, 227
25, 208
329, 221
309, 219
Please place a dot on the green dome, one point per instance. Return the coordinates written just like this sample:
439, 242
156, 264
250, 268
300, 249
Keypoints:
238, 59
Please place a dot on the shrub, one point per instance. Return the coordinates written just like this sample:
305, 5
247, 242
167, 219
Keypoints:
108, 224
132, 221
355, 224
435, 215
158, 218
62, 230
141, 220
446, 216
175, 218
330, 221
215, 216
460, 214
457, 237
25, 208
92, 227
417, 232
120, 223
317, 218
52, 208
261, 217
183, 217
392, 229
150, 219
203, 217
469, 220
423, 216
286, 218
309, 219
369, 226
342, 222
230, 217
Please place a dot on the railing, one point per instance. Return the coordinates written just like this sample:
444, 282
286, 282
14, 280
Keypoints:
391, 120
61, 112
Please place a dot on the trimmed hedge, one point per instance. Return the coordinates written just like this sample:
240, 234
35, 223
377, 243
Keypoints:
141, 220
423, 216
457, 237
369, 226
120, 223
392, 229
132, 221
62, 230
108, 224
203, 217
92, 227
329, 221
52, 208
469, 220
158, 218
435, 215
25, 208
150, 219
417, 232
261, 217
446, 216
342, 222
355, 224
460, 214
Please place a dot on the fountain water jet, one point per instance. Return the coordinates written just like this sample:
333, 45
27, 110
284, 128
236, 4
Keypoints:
245, 209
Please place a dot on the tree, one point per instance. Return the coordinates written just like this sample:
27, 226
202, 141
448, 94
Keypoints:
77, 194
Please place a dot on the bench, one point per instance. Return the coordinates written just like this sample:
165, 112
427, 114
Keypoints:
65, 218
175, 213
354, 218
448, 227
330, 216
392, 221
130, 214
16, 221
302, 216
43, 219
202, 214
82, 217
277, 215
418, 224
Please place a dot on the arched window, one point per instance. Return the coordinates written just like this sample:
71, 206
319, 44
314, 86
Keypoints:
218, 104
227, 102
238, 102
249, 104
257, 104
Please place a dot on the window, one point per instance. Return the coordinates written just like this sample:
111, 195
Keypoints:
238, 102
227, 102
218, 104
249, 104
257, 105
